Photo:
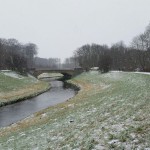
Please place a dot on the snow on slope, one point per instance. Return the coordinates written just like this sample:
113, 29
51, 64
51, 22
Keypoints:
12, 74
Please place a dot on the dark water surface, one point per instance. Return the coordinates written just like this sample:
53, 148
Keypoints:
58, 93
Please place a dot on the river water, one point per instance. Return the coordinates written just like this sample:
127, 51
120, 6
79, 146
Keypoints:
58, 93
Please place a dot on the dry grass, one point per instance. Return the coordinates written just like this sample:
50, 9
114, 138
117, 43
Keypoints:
110, 112
14, 89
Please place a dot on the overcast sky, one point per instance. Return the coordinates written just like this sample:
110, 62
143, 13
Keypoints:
58, 27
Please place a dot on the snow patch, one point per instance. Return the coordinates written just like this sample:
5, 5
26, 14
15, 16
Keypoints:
148, 73
115, 75
22, 134
113, 141
116, 71
71, 105
12, 74
100, 147
44, 115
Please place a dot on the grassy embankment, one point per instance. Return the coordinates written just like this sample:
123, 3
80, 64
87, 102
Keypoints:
50, 75
110, 112
14, 87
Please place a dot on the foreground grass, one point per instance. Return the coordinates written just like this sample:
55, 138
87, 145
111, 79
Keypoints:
110, 112
14, 89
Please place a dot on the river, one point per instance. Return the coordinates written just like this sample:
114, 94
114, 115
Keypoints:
58, 93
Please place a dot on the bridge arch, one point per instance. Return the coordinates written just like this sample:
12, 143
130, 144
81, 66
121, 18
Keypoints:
67, 73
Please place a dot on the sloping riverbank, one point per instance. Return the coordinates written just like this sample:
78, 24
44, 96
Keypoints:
111, 111
15, 87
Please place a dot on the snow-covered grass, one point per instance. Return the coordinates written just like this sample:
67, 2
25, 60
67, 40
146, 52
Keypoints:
14, 87
110, 112
148, 73
12, 74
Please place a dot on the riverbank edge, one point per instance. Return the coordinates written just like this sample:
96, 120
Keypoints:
36, 93
74, 86
18, 126
35, 121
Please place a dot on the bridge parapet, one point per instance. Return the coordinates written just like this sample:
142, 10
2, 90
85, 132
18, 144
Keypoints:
66, 72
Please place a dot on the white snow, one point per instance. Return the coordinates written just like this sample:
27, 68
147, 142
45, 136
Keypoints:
94, 68
29, 75
113, 141
90, 121
11, 74
71, 105
100, 147
148, 73
116, 71
44, 115
5, 70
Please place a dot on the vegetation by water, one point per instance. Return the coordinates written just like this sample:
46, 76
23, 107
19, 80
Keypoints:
111, 111
119, 56
14, 87
50, 75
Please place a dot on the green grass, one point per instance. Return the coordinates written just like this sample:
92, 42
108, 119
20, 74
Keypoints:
110, 112
8, 83
14, 89
50, 75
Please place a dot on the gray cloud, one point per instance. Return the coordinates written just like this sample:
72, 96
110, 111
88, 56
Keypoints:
60, 26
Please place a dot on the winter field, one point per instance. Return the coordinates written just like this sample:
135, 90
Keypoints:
14, 87
111, 111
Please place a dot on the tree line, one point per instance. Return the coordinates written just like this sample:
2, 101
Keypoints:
16, 56
21, 57
118, 56
51, 63
55, 63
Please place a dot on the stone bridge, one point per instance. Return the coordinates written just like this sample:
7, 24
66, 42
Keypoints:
68, 73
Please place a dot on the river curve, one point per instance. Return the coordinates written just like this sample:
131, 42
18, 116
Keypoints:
57, 94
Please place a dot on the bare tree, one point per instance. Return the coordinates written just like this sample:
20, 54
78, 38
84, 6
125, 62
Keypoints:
30, 50
13, 54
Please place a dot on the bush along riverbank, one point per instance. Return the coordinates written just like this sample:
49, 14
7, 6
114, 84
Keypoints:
15, 87
111, 111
